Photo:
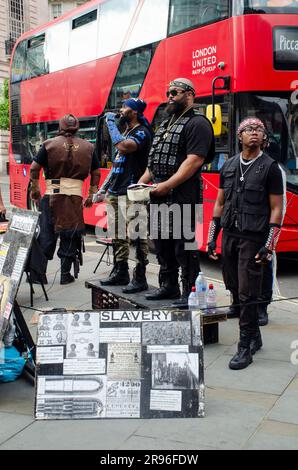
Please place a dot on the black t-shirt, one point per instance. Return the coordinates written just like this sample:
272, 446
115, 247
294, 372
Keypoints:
128, 168
42, 159
196, 139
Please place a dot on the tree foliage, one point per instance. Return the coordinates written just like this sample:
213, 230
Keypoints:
4, 106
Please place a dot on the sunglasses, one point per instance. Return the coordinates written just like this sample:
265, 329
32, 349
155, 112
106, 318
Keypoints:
174, 92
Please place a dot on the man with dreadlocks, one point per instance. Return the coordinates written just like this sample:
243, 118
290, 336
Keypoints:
67, 161
249, 208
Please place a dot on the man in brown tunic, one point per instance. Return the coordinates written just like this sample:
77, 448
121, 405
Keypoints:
67, 161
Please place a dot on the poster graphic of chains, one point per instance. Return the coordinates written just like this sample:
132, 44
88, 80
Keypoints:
14, 250
119, 364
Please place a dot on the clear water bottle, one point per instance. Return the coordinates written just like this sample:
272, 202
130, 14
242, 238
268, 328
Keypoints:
201, 290
192, 299
211, 299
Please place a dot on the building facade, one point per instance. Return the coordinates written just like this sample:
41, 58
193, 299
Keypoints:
16, 17
58, 8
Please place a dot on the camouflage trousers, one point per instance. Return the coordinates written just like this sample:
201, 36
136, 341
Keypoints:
127, 225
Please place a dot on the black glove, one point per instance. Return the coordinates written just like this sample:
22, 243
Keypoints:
211, 248
266, 252
264, 255
214, 230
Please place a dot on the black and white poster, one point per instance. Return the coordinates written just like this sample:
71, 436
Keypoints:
14, 250
119, 364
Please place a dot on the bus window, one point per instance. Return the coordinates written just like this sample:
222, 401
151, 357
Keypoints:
87, 130
114, 20
280, 117
52, 129
18, 67
30, 140
36, 64
223, 141
159, 116
104, 148
265, 6
82, 43
151, 25
187, 14
130, 76
57, 42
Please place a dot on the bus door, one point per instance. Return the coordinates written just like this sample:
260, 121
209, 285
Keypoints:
210, 172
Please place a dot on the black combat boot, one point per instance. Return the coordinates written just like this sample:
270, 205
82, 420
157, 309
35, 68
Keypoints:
243, 357
66, 277
138, 282
262, 314
169, 288
182, 303
119, 275
256, 341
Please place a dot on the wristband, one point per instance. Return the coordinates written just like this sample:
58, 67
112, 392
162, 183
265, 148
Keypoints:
273, 236
214, 229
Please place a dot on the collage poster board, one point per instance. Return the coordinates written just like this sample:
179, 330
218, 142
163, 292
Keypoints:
119, 364
14, 250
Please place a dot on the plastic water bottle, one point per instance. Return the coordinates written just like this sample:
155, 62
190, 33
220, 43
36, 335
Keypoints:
211, 299
201, 288
193, 299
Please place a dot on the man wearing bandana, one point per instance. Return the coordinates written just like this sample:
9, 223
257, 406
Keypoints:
249, 208
132, 149
182, 144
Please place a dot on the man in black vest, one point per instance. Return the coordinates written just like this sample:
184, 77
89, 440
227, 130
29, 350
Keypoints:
249, 208
182, 144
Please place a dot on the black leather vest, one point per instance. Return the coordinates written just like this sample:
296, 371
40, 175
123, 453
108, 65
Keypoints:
246, 204
163, 156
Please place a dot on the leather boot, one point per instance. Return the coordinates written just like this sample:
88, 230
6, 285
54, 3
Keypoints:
243, 357
138, 282
262, 314
256, 341
169, 288
66, 277
189, 271
182, 303
119, 275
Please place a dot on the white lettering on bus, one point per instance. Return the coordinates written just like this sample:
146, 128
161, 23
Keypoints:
203, 52
288, 44
204, 60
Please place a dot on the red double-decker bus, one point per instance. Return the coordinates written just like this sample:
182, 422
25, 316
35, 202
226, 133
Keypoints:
89, 60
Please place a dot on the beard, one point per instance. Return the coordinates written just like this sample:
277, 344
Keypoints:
123, 120
175, 108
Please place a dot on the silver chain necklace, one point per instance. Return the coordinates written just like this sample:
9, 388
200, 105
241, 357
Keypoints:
249, 164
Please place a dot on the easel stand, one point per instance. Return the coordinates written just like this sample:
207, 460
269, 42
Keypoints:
30, 282
24, 341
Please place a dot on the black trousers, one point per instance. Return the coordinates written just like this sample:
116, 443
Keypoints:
178, 248
70, 242
267, 284
243, 276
